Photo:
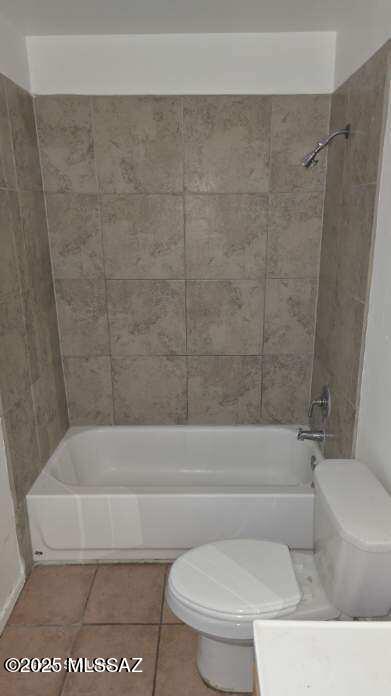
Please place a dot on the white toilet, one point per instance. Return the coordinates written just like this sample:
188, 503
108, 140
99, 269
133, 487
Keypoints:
219, 589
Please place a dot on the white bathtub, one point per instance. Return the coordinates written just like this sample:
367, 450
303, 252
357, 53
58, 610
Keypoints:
150, 492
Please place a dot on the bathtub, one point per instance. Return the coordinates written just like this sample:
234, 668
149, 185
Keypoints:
143, 493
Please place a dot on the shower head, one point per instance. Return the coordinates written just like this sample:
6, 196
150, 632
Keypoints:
311, 158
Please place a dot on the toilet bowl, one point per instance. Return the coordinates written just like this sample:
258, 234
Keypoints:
221, 588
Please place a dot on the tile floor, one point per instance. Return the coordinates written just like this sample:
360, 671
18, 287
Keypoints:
100, 611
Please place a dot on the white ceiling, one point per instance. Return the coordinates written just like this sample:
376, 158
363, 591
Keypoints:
41, 17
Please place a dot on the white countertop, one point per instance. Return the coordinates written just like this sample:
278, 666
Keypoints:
323, 658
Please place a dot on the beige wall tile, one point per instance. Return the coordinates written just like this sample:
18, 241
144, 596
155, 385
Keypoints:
149, 390
295, 234
7, 166
330, 240
8, 263
298, 122
341, 429
138, 144
355, 241
321, 377
344, 343
226, 236
50, 409
82, 317
227, 144
290, 316
35, 266
66, 143
14, 366
89, 390
365, 113
146, 316
24, 137
326, 319
41, 326
286, 388
143, 236
75, 235
338, 153
23, 533
20, 243
22, 444
224, 317
224, 389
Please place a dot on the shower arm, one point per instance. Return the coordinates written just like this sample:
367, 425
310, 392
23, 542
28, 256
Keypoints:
340, 131
311, 157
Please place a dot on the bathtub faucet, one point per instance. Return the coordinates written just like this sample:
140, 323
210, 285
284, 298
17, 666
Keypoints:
314, 435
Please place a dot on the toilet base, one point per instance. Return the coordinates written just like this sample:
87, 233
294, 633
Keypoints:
226, 666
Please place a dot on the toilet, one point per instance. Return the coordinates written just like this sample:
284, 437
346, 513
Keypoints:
220, 588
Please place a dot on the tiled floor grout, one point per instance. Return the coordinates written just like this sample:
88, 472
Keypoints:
78, 626
159, 633
89, 592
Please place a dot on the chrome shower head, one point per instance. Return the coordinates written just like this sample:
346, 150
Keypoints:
310, 159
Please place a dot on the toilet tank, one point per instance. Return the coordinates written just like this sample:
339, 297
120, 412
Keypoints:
353, 537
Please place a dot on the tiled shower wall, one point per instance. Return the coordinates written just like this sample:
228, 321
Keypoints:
348, 233
32, 396
185, 241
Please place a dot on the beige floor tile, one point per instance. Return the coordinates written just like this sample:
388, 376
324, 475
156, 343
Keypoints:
130, 593
34, 641
177, 673
54, 595
168, 616
115, 641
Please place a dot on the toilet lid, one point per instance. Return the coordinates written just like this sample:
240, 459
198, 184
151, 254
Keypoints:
238, 576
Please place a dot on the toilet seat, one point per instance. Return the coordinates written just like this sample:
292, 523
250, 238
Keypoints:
223, 587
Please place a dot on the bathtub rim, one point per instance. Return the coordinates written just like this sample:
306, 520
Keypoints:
47, 483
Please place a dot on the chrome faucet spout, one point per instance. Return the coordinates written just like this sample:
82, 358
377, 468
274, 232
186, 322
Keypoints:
313, 435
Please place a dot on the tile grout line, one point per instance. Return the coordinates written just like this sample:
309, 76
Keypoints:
195, 193
133, 279
159, 635
102, 246
168, 355
185, 252
53, 277
80, 626
266, 275
89, 592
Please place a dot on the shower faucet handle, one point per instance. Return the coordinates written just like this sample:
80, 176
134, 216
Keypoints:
323, 403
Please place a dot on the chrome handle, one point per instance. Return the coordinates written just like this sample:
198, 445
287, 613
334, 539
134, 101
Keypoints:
315, 403
323, 403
